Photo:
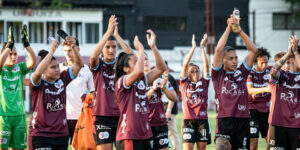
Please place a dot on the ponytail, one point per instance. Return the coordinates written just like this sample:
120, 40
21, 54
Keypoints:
122, 61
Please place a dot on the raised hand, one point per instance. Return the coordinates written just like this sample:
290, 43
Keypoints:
71, 41
194, 45
137, 44
10, 42
164, 82
54, 45
25, 36
112, 23
154, 85
151, 38
204, 40
234, 22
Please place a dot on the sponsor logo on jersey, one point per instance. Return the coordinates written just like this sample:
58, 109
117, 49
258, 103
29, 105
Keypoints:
187, 136
16, 69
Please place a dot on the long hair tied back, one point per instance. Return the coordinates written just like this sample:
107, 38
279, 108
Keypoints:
122, 61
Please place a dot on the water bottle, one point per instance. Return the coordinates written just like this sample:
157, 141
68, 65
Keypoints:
236, 14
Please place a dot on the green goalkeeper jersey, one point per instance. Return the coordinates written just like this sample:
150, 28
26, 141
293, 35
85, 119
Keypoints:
11, 91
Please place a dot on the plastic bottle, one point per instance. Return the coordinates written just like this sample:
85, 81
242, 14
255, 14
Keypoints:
236, 14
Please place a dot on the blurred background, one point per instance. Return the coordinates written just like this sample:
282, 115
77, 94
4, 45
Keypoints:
269, 23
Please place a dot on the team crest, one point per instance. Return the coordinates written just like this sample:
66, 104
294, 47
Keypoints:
16, 69
58, 84
199, 83
266, 77
297, 78
141, 85
237, 73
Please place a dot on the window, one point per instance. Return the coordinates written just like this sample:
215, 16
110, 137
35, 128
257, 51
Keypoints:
75, 30
52, 28
17, 27
91, 32
162, 23
36, 32
283, 21
1, 31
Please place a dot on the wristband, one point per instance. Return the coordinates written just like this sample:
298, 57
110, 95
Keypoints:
168, 110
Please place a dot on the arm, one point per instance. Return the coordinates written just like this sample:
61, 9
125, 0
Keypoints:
295, 51
138, 70
204, 56
41, 68
170, 93
252, 90
127, 49
32, 58
188, 58
217, 61
4, 56
78, 63
94, 59
275, 69
251, 48
160, 64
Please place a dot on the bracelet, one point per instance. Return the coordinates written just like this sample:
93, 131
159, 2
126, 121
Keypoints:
168, 110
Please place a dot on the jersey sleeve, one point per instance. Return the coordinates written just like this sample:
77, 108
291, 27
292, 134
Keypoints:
90, 82
215, 72
245, 69
67, 76
24, 68
98, 66
249, 78
282, 76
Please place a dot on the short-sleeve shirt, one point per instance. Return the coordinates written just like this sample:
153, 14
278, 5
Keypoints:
49, 106
231, 91
156, 112
11, 91
133, 105
82, 84
104, 76
285, 100
261, 101
194, 98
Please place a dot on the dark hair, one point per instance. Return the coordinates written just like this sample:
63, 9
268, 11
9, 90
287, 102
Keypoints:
262, 52
111, 38
227, 49
166, 64
43, 53
193, 65
122, 61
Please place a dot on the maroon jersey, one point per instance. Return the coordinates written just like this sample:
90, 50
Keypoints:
132, 101
156, 112
104, 76
194, 98
49, 107
261, 101
231, 91
285, 100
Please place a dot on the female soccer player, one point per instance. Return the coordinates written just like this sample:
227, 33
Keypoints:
194, 91
156, 112
134, 130
48, 126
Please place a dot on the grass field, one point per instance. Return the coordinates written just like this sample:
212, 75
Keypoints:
212, 121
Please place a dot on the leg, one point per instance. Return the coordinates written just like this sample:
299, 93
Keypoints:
173, 134
188, 146
107, 146
253, 143
71, 126
201, 145
222, 144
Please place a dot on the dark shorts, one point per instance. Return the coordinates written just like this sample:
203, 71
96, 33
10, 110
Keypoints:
258, 123
283, 138
47, 143
71, 126
134, 145
160, 137
196, 131
236, 130
105, 128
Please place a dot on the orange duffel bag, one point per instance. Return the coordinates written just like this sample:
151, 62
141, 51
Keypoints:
83, 135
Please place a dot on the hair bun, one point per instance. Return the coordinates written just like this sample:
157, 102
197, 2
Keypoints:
43, 53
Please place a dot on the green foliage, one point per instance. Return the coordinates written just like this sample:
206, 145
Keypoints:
34, 3
58, 4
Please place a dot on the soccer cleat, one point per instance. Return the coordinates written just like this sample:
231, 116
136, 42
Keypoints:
10, 39
24, 36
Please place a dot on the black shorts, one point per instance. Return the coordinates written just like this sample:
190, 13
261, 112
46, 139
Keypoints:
134, 145
47, 143
105, 129
284, 138
236, 130
71, 126
196, 131
160, 137
258, 123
